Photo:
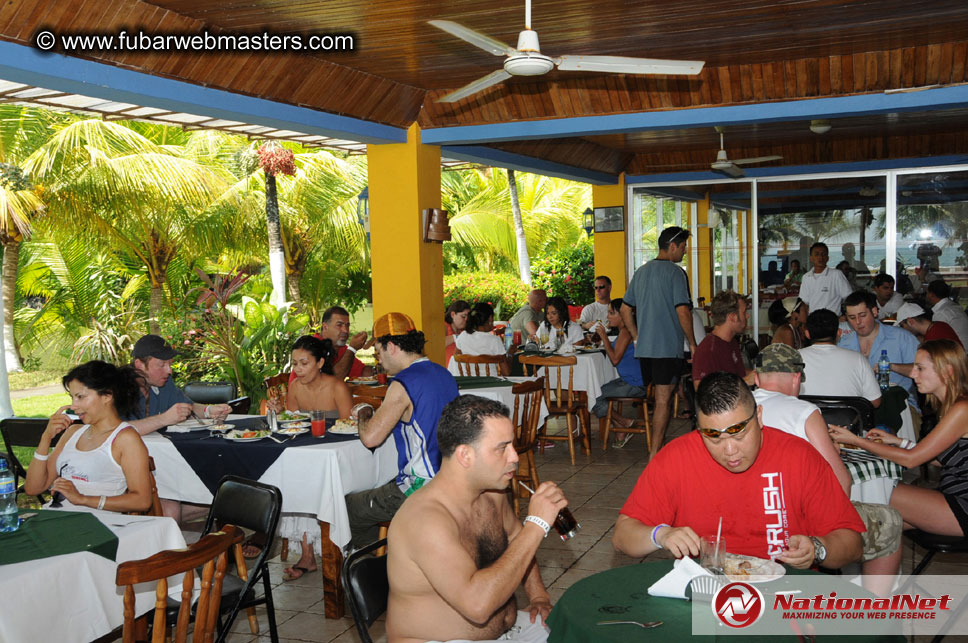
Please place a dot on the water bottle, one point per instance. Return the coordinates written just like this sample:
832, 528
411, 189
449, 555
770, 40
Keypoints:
9, 521
508, 337
884, 371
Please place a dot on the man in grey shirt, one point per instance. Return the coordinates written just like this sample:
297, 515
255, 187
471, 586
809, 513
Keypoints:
531, 314
659, 293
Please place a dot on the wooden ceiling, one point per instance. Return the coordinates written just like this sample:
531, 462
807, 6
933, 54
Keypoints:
756, 51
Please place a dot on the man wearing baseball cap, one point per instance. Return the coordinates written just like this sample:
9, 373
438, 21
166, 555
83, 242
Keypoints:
161, 403
779, 371
915, 319
414, 401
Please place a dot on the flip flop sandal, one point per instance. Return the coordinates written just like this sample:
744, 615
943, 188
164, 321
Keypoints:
287, 573
620, 444
254, 549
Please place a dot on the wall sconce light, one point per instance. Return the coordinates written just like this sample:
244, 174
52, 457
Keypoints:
588, 221
436, 227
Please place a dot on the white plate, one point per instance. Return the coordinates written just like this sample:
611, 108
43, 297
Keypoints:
221, 427
293, 430
229, 436
363, 382
342, 427
295, 424
761, 571
193, 424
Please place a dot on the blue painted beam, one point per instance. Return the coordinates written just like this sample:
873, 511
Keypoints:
797, 110
680, 194
791, 170
500, 158
22, 64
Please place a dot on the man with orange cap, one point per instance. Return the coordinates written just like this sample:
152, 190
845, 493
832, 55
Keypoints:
414, 401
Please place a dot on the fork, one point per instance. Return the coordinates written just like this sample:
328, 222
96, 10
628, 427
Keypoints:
646, 626
275, 439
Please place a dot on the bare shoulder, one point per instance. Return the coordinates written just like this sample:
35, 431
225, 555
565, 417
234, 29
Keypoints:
421, 515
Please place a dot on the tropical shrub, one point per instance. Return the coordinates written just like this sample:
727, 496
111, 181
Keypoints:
505, 292
568, 273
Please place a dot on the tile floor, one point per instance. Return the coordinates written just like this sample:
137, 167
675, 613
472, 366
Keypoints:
596, 486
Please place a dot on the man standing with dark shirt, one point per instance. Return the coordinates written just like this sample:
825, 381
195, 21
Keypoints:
720, 351
659, 293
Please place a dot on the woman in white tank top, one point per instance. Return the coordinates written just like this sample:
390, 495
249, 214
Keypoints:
102, 464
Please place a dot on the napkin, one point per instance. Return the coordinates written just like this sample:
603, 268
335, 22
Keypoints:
187, 426
566, 349
673, 584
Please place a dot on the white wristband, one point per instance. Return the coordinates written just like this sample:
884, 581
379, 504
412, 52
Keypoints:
100, 504
351, 349
905, 444
654, 530
540, 522
38, 456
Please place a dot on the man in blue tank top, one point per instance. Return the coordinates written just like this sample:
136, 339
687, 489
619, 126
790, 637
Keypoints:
414, 401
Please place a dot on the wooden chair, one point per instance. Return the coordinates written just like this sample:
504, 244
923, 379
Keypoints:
640, 425
276, 386
211, 552
155, 509
372, 395
468, 363
527, 411
561, 400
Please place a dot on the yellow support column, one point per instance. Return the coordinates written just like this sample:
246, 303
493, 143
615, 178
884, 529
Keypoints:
703, 241
408, 276
610, 246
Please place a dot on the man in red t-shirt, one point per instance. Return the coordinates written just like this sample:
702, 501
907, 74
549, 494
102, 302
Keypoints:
336, 328
914, 319
776, 496
719, 351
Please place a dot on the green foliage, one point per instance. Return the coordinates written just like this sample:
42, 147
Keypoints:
504, 292
568, 273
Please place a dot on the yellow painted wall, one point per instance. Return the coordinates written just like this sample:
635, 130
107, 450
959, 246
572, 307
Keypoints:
702, 238
610, 246
404, 179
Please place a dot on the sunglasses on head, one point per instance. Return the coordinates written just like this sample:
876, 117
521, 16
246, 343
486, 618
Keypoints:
677, 235
734, 429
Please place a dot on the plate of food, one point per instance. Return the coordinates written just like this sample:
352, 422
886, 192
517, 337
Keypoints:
292, 416
195, 424
750, 569
294, 429
345, 427
364, 381
245, 435
221, 428
293, 425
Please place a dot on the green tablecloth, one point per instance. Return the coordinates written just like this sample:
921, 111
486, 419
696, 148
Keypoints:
52, 533
621, 594
480, 381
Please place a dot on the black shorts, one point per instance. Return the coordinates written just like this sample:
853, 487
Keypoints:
661, 370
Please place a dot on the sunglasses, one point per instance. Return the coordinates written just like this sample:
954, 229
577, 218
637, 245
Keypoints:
600, 287
735, 429
678, 234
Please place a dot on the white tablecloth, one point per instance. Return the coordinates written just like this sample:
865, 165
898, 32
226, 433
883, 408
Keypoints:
503, 394
73, 598
313, 479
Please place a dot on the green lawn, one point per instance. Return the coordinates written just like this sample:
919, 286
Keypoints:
31, 379
37, 406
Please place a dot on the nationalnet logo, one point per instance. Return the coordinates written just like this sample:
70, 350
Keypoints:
738, 605
906, 607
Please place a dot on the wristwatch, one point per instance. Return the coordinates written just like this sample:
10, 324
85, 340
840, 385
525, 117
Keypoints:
819, 551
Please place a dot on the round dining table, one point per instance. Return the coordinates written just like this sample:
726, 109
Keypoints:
622, 594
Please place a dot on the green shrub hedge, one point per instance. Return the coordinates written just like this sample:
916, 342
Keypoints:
568, 273
505, 292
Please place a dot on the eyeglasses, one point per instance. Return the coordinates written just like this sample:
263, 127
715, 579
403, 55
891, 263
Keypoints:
739, 427
600, 287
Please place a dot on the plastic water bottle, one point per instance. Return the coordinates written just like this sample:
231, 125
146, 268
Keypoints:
508, 337
884, 371
9, 521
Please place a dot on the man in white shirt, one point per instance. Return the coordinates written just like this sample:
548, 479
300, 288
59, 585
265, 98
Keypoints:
779, 372
888, 299
597, 311
945, 310
830, 369
823, 287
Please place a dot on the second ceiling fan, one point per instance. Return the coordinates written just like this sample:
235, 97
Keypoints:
731, 168
527, 59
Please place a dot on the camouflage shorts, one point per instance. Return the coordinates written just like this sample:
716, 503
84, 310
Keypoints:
884, 526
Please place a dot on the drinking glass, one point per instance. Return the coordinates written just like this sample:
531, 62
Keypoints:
318, 422
712, 554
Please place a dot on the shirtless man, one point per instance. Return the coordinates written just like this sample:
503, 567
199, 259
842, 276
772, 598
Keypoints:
462, 586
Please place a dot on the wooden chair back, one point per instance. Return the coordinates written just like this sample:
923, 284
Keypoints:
277, 386
155, 509
527, 413
477, 363
210, 552
372, 395
556, 395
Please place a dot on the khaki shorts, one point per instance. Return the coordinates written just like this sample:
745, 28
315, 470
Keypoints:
884, 527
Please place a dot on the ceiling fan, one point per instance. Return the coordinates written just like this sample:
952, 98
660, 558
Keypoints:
527, 59
731, 168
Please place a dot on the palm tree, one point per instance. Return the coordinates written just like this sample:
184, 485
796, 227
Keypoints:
143, 198
524, 261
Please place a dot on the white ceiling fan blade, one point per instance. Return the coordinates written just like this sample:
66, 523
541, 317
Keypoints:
624, 65
758, 159
730, 170
486, 43
493, 78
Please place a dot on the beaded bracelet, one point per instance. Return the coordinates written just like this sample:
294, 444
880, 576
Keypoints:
654, 530
540, 522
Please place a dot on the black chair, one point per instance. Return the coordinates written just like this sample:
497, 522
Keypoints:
23, 432
367, 586
855, 413
210, 392
254, 506
935, 544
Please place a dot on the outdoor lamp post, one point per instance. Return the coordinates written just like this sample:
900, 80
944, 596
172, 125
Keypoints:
363, 211
589, 221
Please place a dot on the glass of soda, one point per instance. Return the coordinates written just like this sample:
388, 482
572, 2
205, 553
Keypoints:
565, 524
